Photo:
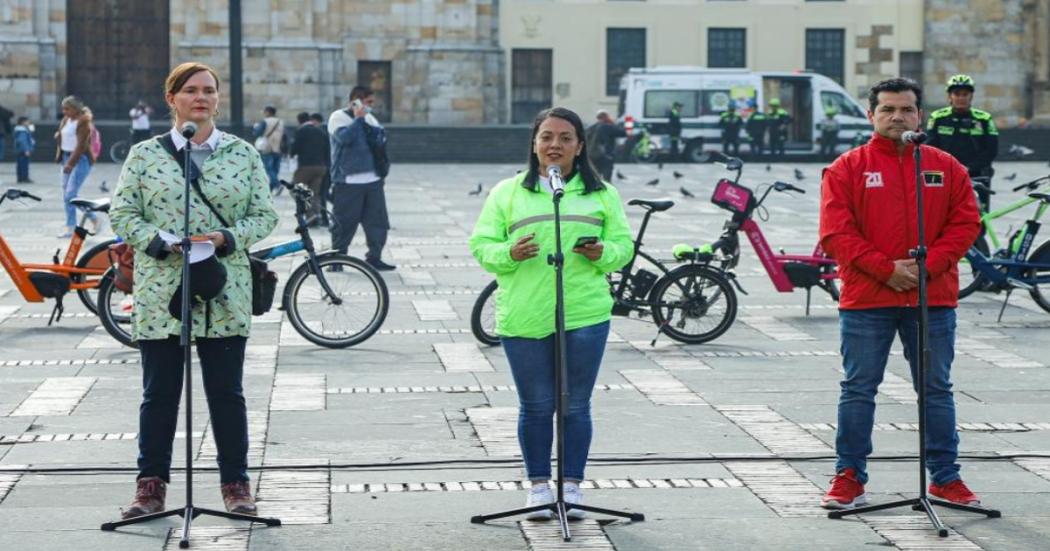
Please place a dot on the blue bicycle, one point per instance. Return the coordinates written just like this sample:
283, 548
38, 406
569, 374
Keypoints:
1014, 268
332, 299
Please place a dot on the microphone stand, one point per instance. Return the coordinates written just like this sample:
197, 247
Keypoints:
190, 511
561, 388
922, 502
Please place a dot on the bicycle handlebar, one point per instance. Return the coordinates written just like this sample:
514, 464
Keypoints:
1033, 184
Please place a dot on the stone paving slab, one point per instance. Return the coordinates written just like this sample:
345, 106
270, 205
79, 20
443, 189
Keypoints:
745, 407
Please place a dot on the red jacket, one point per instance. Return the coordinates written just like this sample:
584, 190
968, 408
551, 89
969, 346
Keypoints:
868, 220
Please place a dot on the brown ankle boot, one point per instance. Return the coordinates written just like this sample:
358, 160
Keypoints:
238, 497
149, 497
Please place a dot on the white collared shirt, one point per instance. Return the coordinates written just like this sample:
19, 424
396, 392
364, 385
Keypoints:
198, 152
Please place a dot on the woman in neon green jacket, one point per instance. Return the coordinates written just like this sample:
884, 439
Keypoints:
512, 239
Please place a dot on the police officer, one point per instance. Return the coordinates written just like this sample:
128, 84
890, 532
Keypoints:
674, 127
966, 133
756, 131
778, 122
730, 123
829, 133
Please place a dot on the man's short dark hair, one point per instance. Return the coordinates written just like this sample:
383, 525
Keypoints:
317, 117
270, 110
303, 117
22, 119
898, 84
361, 92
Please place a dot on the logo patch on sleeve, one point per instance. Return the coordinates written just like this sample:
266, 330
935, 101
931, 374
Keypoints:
933, 178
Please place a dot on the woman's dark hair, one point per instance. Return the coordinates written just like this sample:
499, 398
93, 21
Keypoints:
581, 164
303, 117
894, 85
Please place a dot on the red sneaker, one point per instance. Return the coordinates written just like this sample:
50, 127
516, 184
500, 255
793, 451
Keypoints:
956, 492
845, 492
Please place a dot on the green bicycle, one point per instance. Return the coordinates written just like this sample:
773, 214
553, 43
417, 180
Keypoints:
970, 278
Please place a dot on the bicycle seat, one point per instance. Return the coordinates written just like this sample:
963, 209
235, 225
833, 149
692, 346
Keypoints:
1044, 197
655, 206
101, 205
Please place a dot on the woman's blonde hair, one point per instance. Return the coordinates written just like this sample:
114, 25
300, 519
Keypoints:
74, 103
179, 75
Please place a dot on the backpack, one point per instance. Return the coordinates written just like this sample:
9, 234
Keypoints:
376, 138
96, 143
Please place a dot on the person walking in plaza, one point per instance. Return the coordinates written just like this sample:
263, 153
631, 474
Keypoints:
317, 120
968, 134
357, 181
147, 201
269, 134
511, 239
25, 144
674, 128
867, 224
310, 149
73, 140
777, 120
730, 123
829, 133
602, 143
139, 115
756, 131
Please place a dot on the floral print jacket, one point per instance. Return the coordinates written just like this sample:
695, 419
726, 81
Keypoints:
149, 198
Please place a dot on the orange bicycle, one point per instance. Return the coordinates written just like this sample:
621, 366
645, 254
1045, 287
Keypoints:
39, 281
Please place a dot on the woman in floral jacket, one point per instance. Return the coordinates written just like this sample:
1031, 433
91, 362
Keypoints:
149, 199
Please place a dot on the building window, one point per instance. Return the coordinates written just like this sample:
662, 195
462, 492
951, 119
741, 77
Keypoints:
825, 53
376, 75
911, 66
624, 49
530, 84
727, 47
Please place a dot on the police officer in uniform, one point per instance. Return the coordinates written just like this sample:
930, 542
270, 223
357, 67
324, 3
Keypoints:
966, 133
731, 123
778, 122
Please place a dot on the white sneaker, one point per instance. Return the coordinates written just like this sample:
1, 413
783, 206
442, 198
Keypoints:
539, 495
574, 496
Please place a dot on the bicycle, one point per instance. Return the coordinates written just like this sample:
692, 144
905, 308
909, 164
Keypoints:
120, 148
39, 281
1013, 267
971, 279
642, 147
333, 300
787, 272
694, 292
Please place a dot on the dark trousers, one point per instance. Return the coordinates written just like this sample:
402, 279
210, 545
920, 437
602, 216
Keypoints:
605, 168
22, 167
326, 194
776, 141
312, 176
363, 204
731, 146
828, 143
222, 368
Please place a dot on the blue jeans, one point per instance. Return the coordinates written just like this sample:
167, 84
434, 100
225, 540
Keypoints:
272, 162
22, 167
222, 369
532, 365
71, 184
866, 339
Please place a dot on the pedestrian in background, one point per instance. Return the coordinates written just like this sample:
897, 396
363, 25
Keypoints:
74, 154
601, 146
25, 144
674, 128
309, 150
317, 120
269, 133
140, 128
511, 239
829, 133
778, 120
731, 123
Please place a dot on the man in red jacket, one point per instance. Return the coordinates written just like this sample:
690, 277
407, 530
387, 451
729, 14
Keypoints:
868, 223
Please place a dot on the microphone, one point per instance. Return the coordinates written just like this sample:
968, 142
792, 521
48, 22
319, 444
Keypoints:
557, 184
189, 128
913, 137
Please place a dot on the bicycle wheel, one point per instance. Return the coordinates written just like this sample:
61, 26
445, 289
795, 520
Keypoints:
96, 257
483, 316
119, 151
1041, 256
970, 279
363, 301
694, 304
114, 309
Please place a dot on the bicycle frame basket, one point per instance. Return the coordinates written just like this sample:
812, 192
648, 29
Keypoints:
733, 197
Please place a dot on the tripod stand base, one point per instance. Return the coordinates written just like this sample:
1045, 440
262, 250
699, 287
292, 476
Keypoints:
188, 513
921, 503
560, 510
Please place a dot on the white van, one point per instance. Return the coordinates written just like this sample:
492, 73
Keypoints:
646, 96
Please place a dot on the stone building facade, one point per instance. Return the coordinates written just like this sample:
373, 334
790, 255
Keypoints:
1003, 44
432, 61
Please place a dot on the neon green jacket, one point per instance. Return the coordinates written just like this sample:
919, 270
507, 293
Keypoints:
525, 300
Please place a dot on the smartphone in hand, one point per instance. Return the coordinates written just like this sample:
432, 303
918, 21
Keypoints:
585, 240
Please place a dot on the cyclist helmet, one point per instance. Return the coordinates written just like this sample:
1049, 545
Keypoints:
960, 81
